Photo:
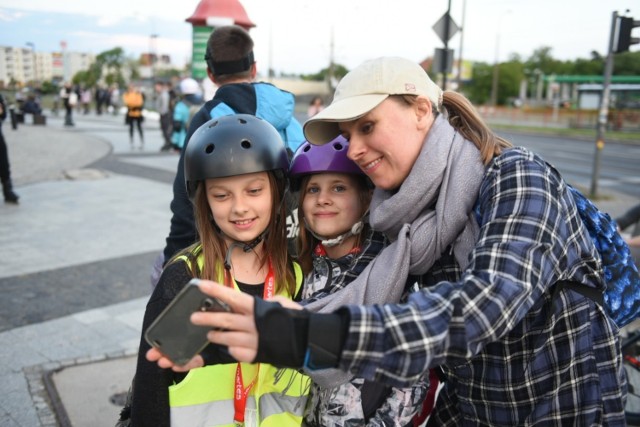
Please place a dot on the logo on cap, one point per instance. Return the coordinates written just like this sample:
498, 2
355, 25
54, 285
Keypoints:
409, 87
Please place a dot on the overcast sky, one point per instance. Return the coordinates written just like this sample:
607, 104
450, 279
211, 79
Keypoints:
294, 36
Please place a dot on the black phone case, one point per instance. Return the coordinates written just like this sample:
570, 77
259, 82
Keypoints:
173, 333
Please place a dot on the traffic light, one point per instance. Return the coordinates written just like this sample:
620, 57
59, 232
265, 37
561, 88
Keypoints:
625, 25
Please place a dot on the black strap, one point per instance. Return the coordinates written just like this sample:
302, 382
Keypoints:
372, 396
584, 290
593, 294
219, 68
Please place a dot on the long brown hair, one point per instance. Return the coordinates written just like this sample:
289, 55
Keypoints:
463, 116
306, 242
214, 247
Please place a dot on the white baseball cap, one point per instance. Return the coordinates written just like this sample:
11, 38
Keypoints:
364, 88
189, 86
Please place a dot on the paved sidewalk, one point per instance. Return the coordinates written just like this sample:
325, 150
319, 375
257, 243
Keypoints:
68, 367
65, 371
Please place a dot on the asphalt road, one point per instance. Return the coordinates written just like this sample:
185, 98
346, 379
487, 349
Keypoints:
619, 165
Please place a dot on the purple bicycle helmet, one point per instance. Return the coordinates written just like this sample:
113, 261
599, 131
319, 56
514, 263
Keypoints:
331, 157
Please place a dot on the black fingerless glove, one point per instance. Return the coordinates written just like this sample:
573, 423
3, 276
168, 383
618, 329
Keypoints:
282, 334
295, 338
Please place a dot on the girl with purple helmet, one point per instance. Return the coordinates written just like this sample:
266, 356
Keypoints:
335, 244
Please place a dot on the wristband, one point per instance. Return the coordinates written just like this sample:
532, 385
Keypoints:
327, 333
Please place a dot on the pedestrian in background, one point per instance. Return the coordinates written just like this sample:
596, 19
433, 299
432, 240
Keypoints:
134, 101
69, 100
188, 104
232, 67
114, 99
315, 106
85, 97
493, 239
163, 108
5, 170
101, 97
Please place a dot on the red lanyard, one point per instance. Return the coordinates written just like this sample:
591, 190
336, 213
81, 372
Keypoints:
240, 392
321, 251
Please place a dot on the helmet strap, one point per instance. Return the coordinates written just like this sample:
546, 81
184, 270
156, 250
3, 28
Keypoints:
336, 241
246, 247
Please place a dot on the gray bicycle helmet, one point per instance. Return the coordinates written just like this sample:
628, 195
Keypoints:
233, 145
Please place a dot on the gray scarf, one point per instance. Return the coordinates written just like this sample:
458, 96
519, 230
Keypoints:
432, 209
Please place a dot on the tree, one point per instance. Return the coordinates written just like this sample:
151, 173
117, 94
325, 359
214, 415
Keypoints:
511, 74
588, 67
542, 60
626, 64
479, 89
339, 71
49, 87
111, 62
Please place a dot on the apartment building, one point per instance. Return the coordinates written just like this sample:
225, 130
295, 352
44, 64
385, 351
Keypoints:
24, 65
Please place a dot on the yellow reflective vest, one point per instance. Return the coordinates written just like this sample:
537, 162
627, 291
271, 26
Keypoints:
204, 398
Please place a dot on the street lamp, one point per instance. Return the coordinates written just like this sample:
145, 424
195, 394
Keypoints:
496, 65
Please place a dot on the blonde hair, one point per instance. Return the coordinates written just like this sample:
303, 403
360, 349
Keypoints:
462, 115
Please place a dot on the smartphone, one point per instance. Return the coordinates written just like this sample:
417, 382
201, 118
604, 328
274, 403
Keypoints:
173, 333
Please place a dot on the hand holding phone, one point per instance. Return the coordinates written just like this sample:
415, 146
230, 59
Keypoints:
173, 334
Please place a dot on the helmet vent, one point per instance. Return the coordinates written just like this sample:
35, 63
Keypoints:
306, 148
338, 146
214, 124
242, 121
209, 148
245, 143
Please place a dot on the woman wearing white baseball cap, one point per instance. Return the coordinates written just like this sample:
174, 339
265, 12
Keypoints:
490, 238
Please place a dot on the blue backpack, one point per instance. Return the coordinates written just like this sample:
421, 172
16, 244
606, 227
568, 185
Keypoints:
622, 295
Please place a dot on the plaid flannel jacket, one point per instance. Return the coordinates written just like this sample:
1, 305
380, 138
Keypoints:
512, 352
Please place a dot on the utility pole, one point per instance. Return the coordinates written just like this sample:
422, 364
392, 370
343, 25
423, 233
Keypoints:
331, 71
446, 48
604, 109
496, 64
459, 78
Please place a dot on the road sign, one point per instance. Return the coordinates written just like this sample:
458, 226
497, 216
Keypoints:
440, 25
442, 61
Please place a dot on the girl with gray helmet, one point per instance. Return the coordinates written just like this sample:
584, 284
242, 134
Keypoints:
335, 243
235, 172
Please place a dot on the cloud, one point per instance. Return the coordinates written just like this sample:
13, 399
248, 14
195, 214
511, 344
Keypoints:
141, 9
106, 21
11, 15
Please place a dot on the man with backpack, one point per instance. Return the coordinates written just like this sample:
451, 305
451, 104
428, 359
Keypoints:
189, 103
231, 67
